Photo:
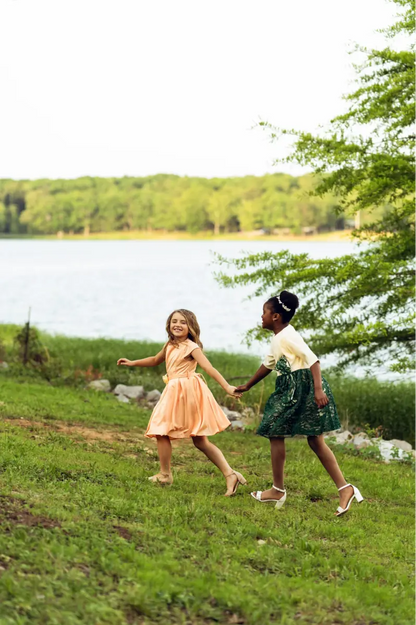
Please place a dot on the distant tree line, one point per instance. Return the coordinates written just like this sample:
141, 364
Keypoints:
166, 203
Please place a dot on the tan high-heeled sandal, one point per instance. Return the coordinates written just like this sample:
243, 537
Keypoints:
161, 478
240, 480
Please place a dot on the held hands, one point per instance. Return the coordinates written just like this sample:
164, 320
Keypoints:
233, 391
243, 388
320, 398
124, 361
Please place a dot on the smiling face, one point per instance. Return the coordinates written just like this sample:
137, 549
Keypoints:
179, 327
268, 317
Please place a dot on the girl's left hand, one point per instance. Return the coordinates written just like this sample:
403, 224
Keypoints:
242, 388
232, 390
321, 398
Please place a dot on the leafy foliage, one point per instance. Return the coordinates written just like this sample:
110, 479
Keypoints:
167, 203
31, 352
30, 348
360, 306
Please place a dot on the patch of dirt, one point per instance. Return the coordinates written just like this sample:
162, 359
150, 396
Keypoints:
14, 511
235, 619
331, 618
84, 569
123, 532
133, 617
89, 434
4, 562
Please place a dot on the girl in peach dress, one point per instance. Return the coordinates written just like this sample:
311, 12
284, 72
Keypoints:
187, 408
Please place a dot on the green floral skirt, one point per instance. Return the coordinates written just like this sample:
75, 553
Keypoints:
292, 409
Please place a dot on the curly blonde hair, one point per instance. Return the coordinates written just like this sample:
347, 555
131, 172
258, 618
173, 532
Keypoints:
193, 327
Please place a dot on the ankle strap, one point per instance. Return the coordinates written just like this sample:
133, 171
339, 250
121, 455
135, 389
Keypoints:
346, 486
279, 489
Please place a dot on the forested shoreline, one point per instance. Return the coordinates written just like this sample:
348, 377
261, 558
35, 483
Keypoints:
277, 203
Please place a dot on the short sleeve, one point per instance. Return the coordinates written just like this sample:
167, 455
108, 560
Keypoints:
190, 347
295, 344
274, 354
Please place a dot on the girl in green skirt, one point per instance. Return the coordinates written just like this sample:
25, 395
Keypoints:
301, 404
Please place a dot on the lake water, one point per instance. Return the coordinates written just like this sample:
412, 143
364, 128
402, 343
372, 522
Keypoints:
126, 289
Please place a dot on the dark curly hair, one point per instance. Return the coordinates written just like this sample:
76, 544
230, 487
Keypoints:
280, 304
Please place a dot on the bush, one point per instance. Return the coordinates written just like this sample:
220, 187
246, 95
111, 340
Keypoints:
390, 405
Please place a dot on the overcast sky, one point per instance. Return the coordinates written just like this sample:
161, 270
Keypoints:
132, 87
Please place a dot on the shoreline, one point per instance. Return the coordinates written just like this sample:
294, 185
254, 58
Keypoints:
339, 235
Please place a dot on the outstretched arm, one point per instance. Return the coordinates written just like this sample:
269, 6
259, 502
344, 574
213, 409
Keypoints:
205, 364
152, 361
261, 373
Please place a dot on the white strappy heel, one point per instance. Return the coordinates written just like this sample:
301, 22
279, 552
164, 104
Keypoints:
279, 502
356, 495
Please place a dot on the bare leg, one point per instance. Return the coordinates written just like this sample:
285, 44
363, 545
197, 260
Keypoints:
278, 453
217, 457
326, 456
164, 450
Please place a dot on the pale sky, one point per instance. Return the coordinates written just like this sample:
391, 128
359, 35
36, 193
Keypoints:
132, 87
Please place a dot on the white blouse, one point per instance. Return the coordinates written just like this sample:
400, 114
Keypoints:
290, 344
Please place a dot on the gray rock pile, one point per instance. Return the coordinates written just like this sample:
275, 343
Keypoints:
153, 397
239, 420
100, 385
389, 450
125, 393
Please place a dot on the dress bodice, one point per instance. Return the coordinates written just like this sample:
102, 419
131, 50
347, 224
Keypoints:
186, 408
289, 345
178, 362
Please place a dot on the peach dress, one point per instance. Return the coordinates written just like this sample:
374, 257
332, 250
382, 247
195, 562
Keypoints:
186, 407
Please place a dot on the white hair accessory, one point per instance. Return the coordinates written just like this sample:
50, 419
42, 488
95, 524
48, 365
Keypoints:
282, 304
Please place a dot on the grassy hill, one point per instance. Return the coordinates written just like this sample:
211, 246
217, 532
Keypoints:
86, 539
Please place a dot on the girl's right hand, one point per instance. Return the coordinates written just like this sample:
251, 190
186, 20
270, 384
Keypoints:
124, 361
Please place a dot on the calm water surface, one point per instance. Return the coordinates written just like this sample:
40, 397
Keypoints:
126, 289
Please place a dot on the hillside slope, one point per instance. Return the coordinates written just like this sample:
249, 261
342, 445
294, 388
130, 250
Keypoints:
86, 539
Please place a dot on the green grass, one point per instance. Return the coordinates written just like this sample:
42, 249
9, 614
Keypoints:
86, 539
